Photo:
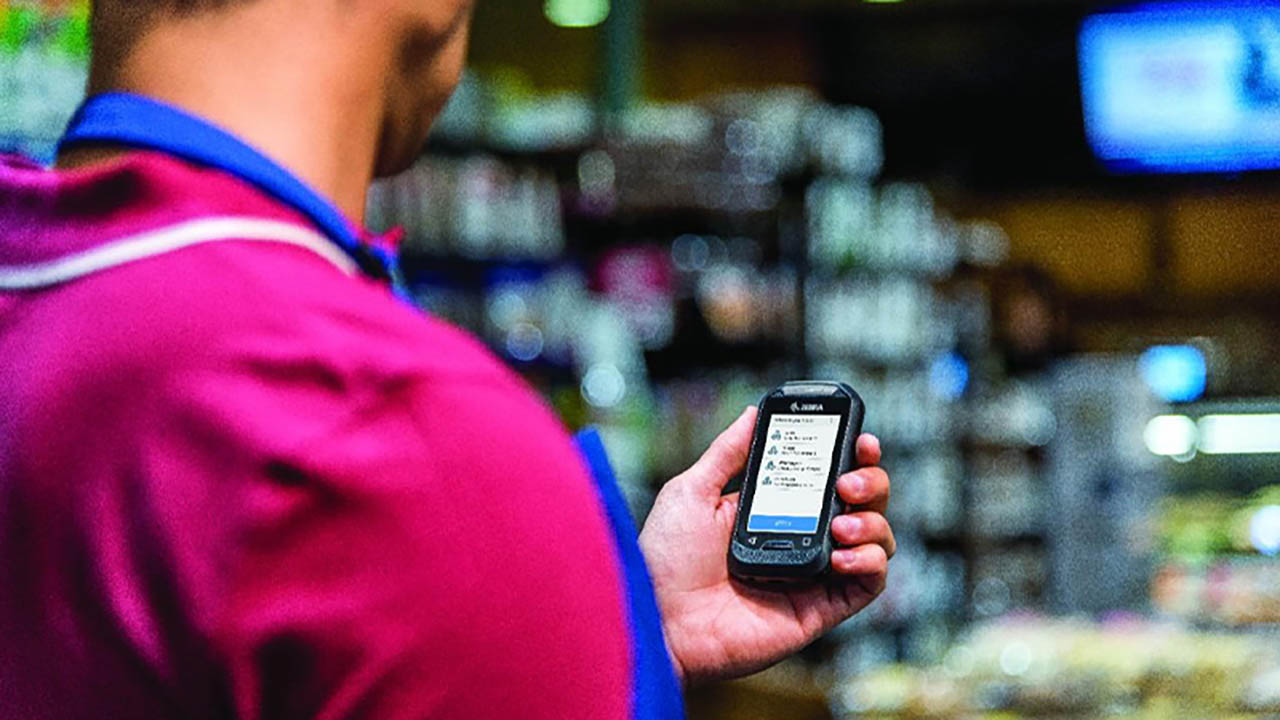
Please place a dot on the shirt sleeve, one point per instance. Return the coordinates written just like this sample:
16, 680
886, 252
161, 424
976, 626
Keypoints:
439, 552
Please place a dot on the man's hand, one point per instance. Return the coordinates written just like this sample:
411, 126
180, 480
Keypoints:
717, 627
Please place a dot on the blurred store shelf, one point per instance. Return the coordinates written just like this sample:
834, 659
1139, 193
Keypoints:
1036, 667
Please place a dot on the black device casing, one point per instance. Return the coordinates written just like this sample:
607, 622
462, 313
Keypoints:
800, 565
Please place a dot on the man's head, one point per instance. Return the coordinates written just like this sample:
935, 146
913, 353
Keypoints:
410, 52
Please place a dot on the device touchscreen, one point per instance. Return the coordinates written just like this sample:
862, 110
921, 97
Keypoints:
794, 467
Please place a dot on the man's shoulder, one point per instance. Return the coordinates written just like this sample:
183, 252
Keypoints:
261, 304
228, 308
266, 337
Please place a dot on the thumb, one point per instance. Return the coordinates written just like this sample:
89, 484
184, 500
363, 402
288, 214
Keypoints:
726, 456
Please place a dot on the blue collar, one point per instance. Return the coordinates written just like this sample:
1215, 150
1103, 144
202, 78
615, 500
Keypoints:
141, 122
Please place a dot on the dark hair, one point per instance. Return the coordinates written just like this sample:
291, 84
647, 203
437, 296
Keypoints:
115, 25
171, 5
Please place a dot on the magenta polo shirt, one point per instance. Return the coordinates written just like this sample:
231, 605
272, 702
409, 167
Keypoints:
238, 479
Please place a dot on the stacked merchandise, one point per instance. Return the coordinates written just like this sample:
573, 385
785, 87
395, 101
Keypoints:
1103, 485
1005, 533
880, 313
1010, 420
1211, 650
1219, 559
1216, 537
474, 207
711, 185
1034, 667
44, 68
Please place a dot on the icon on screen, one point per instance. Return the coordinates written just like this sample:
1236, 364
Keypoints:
770, 466
767, 481
777, 435
773, 450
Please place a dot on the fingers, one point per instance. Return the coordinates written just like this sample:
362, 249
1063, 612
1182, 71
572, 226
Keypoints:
868, 451
866, 488
866, 560
727, 455
864, 528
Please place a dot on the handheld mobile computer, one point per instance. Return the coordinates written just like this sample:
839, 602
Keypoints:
804, 440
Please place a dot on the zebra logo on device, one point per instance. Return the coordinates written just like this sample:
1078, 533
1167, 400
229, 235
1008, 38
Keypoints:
806, 407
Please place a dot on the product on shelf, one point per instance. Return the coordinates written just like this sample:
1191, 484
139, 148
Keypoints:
503, 112
1016, 413
1199, 526
1005, 495
1236, 591
855, 225
476, 207
899, 320
1035, 667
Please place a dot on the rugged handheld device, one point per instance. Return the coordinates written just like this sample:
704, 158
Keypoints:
804, 440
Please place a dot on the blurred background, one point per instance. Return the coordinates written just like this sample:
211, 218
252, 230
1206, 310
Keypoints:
1040, 238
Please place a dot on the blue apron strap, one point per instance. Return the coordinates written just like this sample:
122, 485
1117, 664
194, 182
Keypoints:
657, 693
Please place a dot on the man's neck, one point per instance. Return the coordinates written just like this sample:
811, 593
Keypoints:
265, 73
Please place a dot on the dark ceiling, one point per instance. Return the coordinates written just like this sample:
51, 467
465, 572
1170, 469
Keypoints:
980, 92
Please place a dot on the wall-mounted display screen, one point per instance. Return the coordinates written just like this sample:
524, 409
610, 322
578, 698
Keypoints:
1183, 87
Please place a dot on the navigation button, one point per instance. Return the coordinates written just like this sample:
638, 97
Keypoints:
807, 542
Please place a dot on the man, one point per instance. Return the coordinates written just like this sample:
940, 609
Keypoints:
239, 478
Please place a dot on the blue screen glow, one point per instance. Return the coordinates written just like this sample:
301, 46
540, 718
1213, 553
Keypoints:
949, 376
1183, 87
1174, 373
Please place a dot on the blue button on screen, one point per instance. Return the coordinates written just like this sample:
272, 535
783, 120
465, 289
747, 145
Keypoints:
782, 523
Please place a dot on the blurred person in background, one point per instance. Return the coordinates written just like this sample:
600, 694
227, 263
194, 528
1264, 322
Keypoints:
240, 478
